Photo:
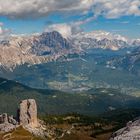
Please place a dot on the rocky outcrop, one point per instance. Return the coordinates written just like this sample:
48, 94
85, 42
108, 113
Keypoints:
130, 132
4, 118
27, 117
28, 113
7, 123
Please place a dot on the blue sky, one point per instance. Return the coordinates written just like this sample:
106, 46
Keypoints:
121, 18
127, 26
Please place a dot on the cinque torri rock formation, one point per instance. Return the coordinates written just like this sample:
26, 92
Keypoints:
26, 117
7, 123
28, 113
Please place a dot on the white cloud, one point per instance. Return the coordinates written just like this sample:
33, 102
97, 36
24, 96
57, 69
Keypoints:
125, 22
64, 29
1, 31
38, 8
4, 32
118, 8
1, 24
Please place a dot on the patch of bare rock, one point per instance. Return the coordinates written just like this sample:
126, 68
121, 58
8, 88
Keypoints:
26, 117
130, 132
7, 123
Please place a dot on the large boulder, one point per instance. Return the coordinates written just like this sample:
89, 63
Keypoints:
28, 113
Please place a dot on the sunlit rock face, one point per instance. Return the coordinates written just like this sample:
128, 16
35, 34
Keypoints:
28, 113
34, 49
130, 132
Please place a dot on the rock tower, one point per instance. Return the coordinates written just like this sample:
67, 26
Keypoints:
28, 113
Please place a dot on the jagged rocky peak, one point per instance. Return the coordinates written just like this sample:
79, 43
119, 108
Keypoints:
130, 132
34, 49
100, 35
100, 39
46, 38
28, 113
50, 43
53, 34
136, 42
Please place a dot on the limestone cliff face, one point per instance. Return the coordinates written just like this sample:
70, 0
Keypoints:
35, 49
28, 113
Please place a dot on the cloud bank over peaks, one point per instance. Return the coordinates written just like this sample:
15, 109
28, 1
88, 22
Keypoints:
38, 8
42, 8
65, 29
116, 9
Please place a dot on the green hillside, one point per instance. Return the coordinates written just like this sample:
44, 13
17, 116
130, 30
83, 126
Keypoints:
90, 102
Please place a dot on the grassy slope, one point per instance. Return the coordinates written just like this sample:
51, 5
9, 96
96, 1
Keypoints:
18, 134
91, 128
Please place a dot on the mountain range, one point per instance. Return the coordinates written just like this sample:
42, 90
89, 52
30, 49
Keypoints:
100, 39
94, 74
80, 62
49, 46
46, 47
